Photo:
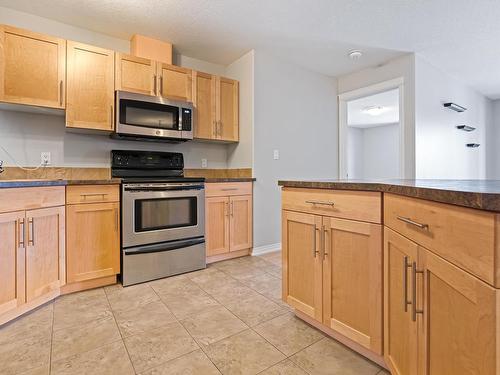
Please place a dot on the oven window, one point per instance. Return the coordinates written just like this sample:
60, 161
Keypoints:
149, 115
165, 213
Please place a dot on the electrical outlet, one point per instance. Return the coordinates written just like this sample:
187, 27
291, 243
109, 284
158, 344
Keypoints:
45, 158
276, 154
204, 163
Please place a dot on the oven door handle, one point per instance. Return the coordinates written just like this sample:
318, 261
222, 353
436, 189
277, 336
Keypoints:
176, 188
157, 248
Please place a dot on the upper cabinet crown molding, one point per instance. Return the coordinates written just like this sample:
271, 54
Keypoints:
90, 87
32, 68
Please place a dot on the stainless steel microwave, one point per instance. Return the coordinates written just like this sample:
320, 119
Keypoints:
152, 118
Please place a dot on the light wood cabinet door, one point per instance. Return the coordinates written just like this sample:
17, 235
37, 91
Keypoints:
90, 87
352, 280
11, 261
135, 74
45, 253
32, 68
93, 241
400, 333
175, 82
217, 225
459, 328
302, 265
227, 109
240, 222
204, 103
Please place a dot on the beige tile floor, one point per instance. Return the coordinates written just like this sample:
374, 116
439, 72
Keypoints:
225, 319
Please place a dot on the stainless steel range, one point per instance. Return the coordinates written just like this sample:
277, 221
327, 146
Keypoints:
163, 216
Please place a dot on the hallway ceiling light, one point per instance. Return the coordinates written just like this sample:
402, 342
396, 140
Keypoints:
355, 54
375, 110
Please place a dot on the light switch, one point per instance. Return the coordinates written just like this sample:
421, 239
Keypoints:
276, 154
204, 163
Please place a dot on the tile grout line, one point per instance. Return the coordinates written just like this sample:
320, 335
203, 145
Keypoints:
189, 333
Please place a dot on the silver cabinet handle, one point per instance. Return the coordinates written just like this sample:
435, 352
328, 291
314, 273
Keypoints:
325, 232
161, 85
322, 203
414, 310
61, 93
154, 85
220, 128
31, 224
229, 189
227, 209
111, 115
214, 128
21, 233
232, 208
406, 265
407, 220
116, 219
316, 229
103, 195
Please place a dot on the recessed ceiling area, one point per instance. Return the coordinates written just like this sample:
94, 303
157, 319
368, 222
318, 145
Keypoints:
458, 37
374, 110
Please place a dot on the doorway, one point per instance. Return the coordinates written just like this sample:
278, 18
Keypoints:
371, 132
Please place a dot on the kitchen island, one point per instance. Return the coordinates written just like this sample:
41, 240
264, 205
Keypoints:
405, 272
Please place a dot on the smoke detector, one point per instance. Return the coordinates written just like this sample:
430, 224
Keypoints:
355, 54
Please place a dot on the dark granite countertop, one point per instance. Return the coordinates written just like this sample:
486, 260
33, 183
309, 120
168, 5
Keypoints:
55, 182
480, 194
229, 179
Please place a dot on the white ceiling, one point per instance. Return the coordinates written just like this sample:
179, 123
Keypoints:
358, 119
459, 36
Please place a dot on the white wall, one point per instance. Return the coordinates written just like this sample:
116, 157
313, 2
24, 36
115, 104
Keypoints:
401, 67
493, 143
355, 153
381, 152
240, 155
295, 113
26, 135
440, 147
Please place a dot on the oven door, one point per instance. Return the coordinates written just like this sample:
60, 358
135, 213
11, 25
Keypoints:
154, 213
147, 116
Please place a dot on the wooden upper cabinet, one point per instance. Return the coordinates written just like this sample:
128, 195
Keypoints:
45, 251
227, 109
459, 326
12, 261
352, 280
135, 74
175, 82
90, 87
241, 233
204, 104
302, 279
400, 333
217, 225
93, 241
32, 68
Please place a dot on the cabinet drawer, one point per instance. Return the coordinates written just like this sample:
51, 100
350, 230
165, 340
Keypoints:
92, 194
224, 189
462, 236
346, 204
15, 199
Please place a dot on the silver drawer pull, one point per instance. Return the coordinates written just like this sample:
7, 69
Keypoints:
322, 203
229, 189
411, 222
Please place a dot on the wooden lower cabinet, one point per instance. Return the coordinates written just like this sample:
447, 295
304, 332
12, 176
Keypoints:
228, 220
45, 251
12, 255
451, 324
333, 273
400, 334
93, 243
217, 225
352, 280
302, 267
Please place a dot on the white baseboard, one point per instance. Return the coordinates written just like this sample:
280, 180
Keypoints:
259, 250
